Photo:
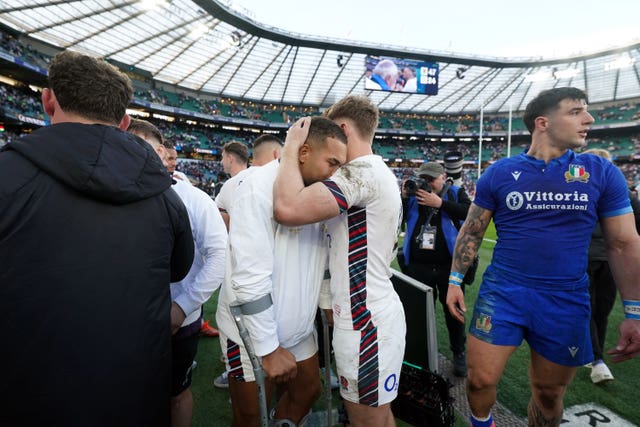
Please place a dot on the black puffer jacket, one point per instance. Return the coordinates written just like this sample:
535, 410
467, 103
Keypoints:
91, 235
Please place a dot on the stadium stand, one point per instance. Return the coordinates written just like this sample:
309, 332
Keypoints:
199, 141
200, 124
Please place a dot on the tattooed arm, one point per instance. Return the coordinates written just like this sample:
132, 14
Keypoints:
467, 246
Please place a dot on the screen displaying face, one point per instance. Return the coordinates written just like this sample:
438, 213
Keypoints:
401, 75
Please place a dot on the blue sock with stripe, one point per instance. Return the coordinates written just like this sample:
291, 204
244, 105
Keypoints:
482, 422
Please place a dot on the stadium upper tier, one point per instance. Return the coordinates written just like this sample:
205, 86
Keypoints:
401, 135
204, 46
23, 104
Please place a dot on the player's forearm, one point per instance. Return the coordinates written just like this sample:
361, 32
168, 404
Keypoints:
262, 326
470, 238
625, 267
263, 331
287, 185
465, 250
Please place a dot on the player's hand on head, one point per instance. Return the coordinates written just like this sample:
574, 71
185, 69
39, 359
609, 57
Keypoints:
297, 135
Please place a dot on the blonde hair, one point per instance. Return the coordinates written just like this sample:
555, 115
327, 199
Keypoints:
598, 152
360, 110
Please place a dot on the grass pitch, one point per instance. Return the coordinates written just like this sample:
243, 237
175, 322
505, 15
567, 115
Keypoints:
212, 407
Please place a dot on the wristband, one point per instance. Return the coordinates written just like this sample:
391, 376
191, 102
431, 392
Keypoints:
456, 275
455, 278
631, 309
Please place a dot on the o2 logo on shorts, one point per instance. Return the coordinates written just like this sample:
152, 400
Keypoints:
391, 383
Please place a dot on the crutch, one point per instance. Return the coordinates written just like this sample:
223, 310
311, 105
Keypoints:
327, 366
237, 311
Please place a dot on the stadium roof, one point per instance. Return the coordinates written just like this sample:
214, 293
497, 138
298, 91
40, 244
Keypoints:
206, 46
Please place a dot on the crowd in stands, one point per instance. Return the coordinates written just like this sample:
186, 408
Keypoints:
220, 106
8, 136
227, 107
202, 173
27, 53
21, 100
445, 124
189, 138
629, 111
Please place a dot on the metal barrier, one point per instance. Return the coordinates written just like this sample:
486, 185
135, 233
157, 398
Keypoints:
419, 307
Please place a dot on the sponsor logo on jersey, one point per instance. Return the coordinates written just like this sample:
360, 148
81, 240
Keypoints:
547, 200
516, 174
483, 323
514, 200
576, 173
391, 383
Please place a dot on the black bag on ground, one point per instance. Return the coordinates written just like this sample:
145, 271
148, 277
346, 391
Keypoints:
423, 398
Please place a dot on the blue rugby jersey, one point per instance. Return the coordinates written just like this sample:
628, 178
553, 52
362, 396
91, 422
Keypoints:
544, 213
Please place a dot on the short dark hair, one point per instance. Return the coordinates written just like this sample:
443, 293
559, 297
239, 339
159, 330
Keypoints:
263, 139
90, 87
360, 110
547, 101
148, 129
322, 128
237, 149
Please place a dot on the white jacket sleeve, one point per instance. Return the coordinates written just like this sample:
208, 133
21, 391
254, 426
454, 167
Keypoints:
210, 239
251, 248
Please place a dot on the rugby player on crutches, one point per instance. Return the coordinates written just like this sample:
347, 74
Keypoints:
285, 264
237, 311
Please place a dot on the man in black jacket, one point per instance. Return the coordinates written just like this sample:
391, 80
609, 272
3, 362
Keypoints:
602, 287
91, 235
433, 210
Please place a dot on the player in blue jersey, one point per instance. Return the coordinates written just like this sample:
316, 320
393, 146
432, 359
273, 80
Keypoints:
544, 203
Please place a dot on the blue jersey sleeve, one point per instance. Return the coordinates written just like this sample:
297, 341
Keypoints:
484, 194
615, 197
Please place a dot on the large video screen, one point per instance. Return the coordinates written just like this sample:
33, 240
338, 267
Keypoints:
401, 75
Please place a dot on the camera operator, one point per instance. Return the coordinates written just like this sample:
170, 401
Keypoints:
434, 211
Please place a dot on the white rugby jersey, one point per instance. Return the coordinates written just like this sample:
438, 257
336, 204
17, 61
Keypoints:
266, 257
225, 197
363, 241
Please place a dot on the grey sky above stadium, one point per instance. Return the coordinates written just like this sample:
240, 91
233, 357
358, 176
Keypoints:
207, 45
